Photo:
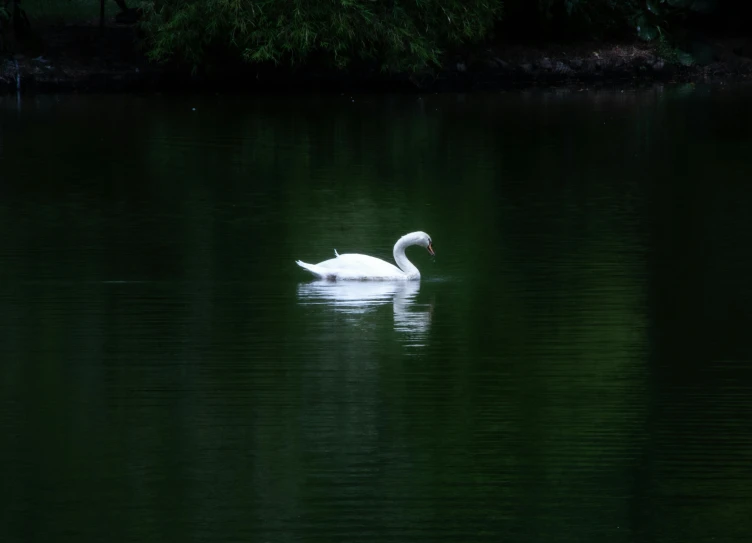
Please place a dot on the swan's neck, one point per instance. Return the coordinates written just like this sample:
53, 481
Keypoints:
399, 257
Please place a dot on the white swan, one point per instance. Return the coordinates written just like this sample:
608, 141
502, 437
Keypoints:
358, 267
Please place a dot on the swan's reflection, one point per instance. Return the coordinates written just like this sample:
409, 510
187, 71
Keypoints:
356, 298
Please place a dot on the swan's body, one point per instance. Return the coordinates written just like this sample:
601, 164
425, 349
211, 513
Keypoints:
356, 267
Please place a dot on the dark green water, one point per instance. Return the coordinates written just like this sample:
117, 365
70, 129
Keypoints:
574, 366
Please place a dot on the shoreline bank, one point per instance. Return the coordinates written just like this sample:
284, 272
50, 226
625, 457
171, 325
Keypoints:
78, 58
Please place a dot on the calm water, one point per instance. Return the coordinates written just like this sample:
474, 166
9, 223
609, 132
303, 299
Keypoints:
574, 366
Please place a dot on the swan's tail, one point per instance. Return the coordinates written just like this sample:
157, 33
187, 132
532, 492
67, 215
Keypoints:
315, 270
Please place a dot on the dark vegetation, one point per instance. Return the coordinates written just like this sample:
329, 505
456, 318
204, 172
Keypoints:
411, 35
415, 38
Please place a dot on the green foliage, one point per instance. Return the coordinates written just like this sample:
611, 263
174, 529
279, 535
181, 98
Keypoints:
401, 34
649, 19
596, 17
13, 22
658, 15
672, 54
592, 11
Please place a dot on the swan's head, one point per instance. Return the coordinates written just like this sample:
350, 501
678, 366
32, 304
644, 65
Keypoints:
422, 239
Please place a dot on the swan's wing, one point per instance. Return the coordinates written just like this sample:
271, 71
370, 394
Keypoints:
364, 264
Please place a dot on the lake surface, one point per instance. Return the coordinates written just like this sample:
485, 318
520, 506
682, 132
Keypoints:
574, 366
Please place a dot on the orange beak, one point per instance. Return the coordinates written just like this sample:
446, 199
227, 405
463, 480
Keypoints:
430, 250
